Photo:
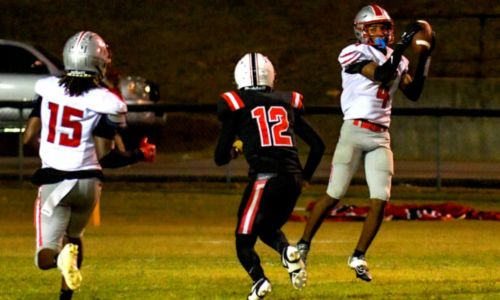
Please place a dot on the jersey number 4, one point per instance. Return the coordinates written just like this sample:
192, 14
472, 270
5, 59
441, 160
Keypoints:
383, 94
273, 124
66, 122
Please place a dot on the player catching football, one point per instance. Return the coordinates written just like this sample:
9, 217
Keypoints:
75, 117
267, 123
371, 74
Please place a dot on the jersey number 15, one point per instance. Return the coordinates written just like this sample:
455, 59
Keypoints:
272, 124
66, 122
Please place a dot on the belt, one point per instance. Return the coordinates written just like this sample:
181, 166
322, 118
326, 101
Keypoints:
369, 125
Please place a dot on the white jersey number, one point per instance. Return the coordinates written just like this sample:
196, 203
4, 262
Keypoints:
272, 135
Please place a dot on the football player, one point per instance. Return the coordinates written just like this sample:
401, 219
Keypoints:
267, 123
75, 118
371, 74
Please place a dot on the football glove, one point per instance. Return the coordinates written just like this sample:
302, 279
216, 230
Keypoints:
148, 150
408, 35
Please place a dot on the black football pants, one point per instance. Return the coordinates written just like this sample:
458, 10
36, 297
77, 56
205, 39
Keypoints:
266, 205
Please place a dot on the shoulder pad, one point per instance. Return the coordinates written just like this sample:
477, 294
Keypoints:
297, 100
348, 58
233, 100
351, 54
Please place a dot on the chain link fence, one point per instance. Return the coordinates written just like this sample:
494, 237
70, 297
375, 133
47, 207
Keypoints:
422, 138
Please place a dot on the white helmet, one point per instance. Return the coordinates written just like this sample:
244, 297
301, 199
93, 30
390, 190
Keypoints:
86, 54
254, 70
372, 14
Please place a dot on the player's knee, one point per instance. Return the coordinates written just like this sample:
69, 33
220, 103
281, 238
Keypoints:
327, 202
378, 204
245, 241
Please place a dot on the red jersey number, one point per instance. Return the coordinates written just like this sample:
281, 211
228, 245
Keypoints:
383, 94
65, 139
272, 125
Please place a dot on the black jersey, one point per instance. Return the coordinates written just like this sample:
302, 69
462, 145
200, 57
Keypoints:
267, 123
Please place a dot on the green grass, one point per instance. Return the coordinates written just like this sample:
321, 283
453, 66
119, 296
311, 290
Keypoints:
176, 241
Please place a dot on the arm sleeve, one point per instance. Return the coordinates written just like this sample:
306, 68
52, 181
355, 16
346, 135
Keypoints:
37, 104
413, 90
317, 147
116, 158
227, 135
105, 128
356, 67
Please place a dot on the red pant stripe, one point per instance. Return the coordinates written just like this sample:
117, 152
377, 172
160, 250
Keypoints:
38, 219
252, 208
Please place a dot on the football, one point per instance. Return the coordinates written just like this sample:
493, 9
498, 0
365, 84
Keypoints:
422, 40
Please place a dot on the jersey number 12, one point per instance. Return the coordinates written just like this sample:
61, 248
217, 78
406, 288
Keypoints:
272, 124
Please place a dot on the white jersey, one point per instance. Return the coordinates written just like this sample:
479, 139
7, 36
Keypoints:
363, 98
66, 141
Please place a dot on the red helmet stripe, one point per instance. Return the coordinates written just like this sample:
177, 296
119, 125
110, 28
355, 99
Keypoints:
233, 100
80, 37
377, 10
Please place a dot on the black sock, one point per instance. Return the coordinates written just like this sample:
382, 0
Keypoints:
302, 241
256, 273
358, 253
66, 295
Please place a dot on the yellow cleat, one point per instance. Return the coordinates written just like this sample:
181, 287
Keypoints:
67, 264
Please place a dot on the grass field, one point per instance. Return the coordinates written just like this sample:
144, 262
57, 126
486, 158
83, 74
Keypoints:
176, 241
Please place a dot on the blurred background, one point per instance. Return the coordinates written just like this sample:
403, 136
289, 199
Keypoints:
189, 48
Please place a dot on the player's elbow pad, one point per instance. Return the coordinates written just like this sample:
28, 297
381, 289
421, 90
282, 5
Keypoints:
318, 148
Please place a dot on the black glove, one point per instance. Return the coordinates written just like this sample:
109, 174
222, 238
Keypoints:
408, 35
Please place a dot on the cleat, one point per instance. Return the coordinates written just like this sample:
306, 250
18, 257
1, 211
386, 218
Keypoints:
260, 289
303, 250
67, 264
295, 266
360, 266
